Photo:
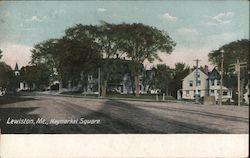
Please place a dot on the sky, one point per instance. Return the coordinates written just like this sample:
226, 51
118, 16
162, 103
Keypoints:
198, 27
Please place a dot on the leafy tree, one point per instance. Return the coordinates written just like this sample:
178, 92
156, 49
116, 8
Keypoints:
105, 41
232, 51
36, 74
163, 78
48, 52
181, 70
67, 57
1, 53
142, 42
7, 77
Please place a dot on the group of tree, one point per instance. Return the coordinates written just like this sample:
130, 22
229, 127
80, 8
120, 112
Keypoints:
233, 51
168, 80
85, 48
35, 76
7, 77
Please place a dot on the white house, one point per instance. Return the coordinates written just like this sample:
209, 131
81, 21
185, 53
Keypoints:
189, 85
207, 85
22, 85
214, 87
246, 95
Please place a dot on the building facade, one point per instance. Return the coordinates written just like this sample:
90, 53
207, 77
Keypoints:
207, 85
189, 85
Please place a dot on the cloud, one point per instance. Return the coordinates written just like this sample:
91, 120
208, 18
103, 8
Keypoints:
58, 12
101, 10
187, 31
221, 18
36, 18
169, 17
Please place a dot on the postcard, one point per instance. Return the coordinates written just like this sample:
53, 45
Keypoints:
124, 74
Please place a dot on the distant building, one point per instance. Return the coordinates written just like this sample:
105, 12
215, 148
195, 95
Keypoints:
189, 84
214, 87
246, 95
22, 85
208, 84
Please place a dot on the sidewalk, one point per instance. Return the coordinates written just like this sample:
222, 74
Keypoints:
51, 93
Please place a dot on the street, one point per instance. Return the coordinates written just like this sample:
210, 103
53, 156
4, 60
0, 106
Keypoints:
68, 115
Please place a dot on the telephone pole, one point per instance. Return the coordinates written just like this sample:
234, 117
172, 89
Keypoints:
237, 68
99, 82
221, 77
196, 82
238, 65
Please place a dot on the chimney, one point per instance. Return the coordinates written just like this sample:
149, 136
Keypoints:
206, 69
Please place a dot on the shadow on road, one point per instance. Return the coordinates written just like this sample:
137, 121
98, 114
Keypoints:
7, 114
8, 99
116, 118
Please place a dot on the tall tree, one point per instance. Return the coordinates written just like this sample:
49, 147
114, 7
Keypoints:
38, 75
142, 42
67, 57
163, 78
232, 51
1, 53
181, 70
103, 36
7, 77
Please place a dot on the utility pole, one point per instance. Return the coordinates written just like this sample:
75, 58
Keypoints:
99, 82
237, 68
238, 65
196, 82
221, 77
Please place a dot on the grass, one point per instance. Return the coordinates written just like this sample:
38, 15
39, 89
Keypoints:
127, 96
142, 96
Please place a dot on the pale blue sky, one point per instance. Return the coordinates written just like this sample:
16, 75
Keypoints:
197, 26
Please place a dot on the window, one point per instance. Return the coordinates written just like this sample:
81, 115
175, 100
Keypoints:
187, 92
191, 83
218, 82
225, 93
198, 74
212, 91
212, 82
198, 82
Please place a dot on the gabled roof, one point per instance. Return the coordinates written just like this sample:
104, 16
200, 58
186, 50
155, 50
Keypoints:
199, 70
214, 74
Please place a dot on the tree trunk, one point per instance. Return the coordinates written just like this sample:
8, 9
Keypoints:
132, 84
60, 84
104, 89
137, 86
242, 83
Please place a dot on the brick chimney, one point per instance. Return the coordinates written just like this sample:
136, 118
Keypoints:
206, 69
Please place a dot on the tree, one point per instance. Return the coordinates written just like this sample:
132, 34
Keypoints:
7, 77
232, 51
163, 78
67, 57
106, 42
1, 53
181, 70
38, 75
142, 42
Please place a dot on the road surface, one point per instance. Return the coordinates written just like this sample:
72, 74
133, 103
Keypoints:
67, 115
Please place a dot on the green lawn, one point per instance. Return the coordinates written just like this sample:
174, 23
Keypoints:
131, 96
